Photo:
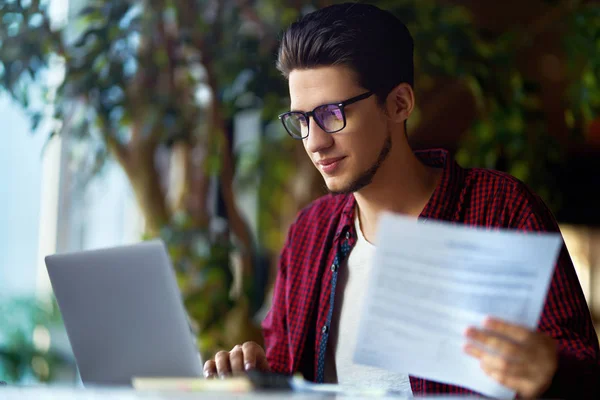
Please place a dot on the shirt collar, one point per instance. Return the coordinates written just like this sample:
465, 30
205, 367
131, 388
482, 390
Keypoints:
442, 201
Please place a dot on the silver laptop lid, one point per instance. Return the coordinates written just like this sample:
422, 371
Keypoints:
124, 314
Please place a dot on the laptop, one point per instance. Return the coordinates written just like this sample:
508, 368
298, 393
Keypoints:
123, 313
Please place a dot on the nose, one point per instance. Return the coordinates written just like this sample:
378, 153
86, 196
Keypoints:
317, 140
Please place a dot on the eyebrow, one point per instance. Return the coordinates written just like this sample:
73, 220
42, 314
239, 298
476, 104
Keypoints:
322, 104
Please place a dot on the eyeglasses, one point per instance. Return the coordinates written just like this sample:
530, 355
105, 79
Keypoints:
330, 117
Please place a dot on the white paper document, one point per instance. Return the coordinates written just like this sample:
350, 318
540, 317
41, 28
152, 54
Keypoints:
432, 280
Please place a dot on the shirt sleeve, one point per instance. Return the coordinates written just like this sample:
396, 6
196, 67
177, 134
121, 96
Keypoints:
275, 323
566, 318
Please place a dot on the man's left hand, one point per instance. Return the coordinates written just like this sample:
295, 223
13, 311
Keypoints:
514, 356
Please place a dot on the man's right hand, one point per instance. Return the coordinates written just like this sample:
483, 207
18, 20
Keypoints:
240, 359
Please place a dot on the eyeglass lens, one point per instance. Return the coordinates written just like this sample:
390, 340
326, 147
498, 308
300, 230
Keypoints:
329, 117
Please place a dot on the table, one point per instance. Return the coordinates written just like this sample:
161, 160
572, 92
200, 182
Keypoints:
69, 393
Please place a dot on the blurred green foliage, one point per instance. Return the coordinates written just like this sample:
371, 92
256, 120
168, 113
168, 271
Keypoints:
510, 132
26, 351
582, 46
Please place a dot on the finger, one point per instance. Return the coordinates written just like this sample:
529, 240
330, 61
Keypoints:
495, 344
515, 332
254, 357
473, 350
495, 363
210, 369
524, 386
222, 361
501, 370
250, 350
491, 362
236, 359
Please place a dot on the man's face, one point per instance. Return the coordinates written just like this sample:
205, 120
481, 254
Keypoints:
347, 159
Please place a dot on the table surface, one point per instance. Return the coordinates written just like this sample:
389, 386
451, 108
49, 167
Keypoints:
68, 393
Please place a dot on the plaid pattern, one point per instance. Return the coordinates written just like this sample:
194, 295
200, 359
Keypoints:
297, 326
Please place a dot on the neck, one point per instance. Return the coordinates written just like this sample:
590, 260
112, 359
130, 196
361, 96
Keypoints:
403, 184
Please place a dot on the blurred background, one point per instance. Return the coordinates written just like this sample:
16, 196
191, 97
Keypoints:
127, 120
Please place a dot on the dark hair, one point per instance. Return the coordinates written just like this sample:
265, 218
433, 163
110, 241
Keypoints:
372, 42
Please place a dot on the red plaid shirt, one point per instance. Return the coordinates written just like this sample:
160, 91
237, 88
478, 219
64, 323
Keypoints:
296, 329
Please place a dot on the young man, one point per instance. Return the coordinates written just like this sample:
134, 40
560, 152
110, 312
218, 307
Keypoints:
350, 73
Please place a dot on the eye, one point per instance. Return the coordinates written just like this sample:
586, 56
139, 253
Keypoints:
330, 111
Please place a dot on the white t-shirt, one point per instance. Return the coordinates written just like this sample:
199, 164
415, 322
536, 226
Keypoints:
350, 293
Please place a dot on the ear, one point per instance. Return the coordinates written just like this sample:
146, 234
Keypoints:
400, 103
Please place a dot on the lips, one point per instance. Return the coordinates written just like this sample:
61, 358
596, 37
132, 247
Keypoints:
330, 165
329, 161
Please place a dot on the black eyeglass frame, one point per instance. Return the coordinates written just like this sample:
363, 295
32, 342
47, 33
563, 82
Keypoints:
309, 114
